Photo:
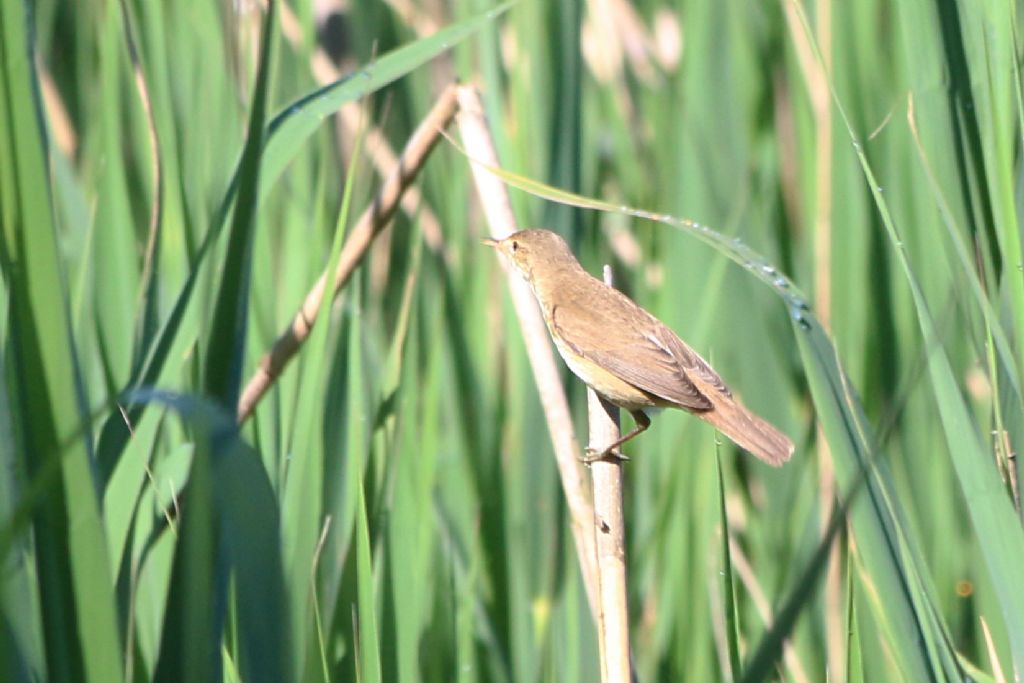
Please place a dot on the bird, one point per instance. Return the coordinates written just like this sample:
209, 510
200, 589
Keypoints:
625, 354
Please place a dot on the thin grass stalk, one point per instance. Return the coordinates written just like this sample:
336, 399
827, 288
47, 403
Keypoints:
479, 144
728, 632
374, 219
610, 537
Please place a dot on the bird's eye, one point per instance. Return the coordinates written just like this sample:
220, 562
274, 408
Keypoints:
515, 245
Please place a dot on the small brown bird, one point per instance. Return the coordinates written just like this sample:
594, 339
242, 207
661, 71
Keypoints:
627, 355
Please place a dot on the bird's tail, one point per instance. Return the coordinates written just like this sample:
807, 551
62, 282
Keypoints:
749, 431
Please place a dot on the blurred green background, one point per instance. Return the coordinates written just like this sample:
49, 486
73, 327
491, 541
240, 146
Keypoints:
172, 179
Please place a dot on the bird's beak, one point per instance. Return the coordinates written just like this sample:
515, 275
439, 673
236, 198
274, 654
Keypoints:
489, 242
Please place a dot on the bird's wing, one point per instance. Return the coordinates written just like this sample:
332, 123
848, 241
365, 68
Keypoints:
650, 357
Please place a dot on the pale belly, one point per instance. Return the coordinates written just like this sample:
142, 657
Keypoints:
618, 391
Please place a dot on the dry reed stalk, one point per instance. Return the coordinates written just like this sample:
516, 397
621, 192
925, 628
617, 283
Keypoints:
610, 533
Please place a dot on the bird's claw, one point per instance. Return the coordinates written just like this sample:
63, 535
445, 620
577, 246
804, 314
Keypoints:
592, 455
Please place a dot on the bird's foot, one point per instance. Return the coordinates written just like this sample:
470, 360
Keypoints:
592, 455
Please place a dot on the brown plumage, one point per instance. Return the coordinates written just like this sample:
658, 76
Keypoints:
626, 354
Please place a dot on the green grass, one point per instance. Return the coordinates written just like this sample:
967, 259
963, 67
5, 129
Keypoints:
392, 511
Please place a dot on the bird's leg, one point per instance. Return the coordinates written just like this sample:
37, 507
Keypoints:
642, 423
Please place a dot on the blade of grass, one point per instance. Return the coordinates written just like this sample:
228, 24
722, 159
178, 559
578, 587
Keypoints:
231, 529
347, 437
197, 594
250, 528
406, 494
302, 501
225, 345
732, 630
369, 666
76, 599
854, 666
147, 315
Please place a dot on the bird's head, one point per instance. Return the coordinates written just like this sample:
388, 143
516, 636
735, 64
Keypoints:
535, 251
